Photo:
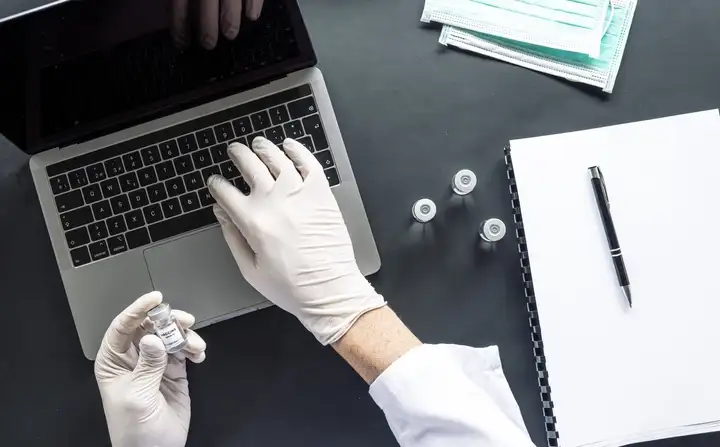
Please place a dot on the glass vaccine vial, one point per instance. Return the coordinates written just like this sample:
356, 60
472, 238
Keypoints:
171, 334
464, 182
491, 232
424, 210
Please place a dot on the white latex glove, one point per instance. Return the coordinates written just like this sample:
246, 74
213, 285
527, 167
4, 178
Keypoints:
289, 238
144, 392
214, 16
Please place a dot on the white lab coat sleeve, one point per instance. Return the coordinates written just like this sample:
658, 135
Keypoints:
449, 395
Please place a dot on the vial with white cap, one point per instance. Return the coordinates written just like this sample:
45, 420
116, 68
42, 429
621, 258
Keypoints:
464, 182
424, 210
491, 232
171, 334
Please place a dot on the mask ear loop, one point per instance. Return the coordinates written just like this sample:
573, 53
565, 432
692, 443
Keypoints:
612, 16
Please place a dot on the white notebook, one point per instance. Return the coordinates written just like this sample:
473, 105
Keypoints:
611, 375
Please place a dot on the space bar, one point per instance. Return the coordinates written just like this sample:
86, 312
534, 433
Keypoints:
182, 224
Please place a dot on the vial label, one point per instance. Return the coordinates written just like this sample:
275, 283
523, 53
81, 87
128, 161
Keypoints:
171, 336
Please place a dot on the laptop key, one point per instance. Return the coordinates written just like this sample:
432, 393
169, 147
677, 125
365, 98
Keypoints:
152, 213
169, 149
260, 120
193, 181
294, 129
78, 178
224, 132
189, 201
138, 199
229, 170
120, 204
92, 193
77, 237
69, 201
242, 185
110, 188
114, 167
171, 208
98, 250
116, 225
183, 164
59, 184
219, 153
206, 199
205, 137
129, 182
325, 159
202, 159
137, 238
96, 172
307, 142
302, 107
150, 155
97, 230
242, 126
134, 219
313, 127
132, 161
187, 143
332, 176
117, 244
275, 134
102, 210
156, 192
147, 176
80, 256
182, 224
175, 186
279, 115
165, 170
207, 172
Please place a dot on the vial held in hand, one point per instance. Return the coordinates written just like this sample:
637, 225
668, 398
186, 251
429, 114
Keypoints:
171, 334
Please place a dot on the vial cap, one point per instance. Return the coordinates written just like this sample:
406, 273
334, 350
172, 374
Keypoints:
424, 210
464, 182
493, 230
159, 312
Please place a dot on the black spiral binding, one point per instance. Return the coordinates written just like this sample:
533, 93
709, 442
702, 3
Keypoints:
535, 334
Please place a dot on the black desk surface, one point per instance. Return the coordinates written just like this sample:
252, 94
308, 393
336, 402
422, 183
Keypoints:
412, 114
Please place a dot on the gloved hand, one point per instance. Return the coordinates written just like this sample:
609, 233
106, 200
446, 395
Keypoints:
144, 392
289, 238
212, 14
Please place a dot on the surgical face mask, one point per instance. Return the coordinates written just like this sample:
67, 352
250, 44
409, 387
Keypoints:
569, 25
599, 72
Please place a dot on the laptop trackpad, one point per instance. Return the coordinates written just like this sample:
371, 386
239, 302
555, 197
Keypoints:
199, 275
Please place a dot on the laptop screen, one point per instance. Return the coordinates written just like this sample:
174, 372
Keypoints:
86, 68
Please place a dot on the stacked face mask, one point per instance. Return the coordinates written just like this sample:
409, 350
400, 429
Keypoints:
595, 65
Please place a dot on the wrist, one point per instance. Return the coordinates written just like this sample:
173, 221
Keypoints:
374, 342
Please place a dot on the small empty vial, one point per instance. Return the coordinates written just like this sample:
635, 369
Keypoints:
464, 182
424, 210
171, 334
491, 232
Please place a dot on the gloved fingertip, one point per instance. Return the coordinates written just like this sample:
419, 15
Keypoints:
260, 143
152, 347
208, 41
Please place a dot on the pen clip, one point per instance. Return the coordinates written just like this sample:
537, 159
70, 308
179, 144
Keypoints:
599, 175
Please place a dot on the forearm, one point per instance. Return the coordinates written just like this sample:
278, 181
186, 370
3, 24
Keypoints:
376, 340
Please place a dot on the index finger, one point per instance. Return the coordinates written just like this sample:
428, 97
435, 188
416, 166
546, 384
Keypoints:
119, 336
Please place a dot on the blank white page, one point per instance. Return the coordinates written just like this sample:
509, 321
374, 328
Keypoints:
617, 373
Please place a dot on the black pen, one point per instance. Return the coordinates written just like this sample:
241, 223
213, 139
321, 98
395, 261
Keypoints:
603, 202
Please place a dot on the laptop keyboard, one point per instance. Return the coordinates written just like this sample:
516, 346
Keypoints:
153, 187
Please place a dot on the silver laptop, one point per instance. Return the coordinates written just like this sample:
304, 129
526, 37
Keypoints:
125, 129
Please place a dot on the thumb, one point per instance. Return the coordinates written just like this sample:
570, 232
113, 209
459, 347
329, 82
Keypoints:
151, 365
